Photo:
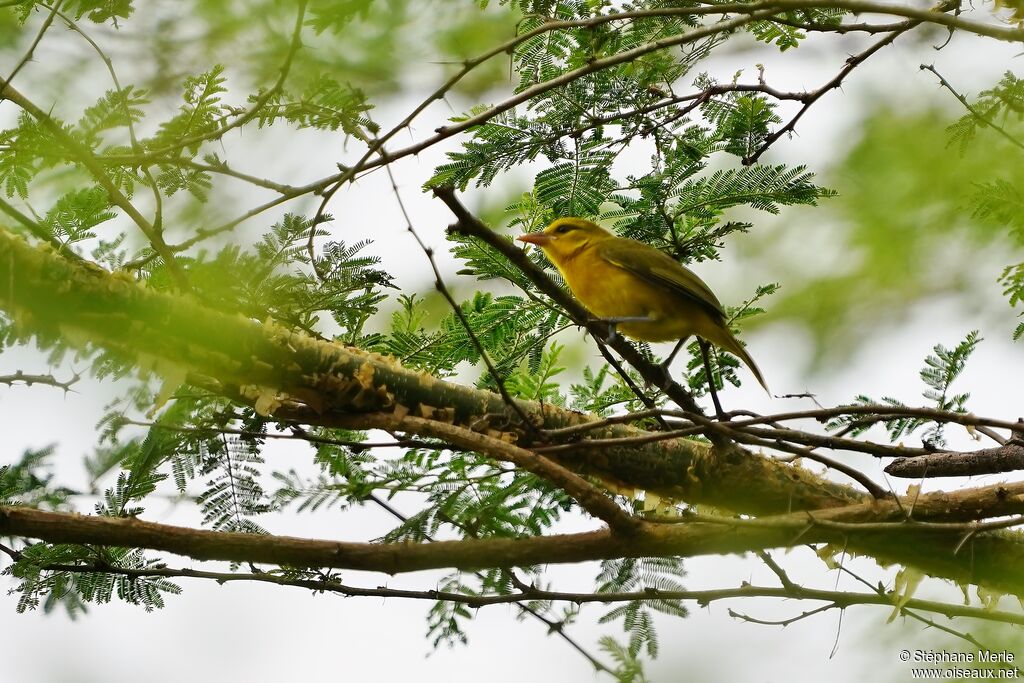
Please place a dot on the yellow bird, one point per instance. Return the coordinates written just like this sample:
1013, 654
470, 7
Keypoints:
636, 288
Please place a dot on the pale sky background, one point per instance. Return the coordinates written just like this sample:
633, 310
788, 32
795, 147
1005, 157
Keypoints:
258, 633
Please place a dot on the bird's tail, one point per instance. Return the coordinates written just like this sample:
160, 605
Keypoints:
733, 346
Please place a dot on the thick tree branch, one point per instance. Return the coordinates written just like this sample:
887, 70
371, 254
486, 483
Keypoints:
991, 558
298, 378
1006, 458
292, 375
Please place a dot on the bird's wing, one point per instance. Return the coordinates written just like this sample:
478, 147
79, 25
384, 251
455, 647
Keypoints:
660, 270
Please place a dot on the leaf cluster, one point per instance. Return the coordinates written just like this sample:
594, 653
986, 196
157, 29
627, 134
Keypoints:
940, 370
651, 574
48, 576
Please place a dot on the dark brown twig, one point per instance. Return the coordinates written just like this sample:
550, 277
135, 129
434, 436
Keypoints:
440, 286
851, 63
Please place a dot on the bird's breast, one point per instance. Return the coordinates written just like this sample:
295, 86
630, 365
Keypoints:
609, 291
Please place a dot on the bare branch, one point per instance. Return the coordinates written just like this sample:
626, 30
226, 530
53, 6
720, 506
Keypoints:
28, 380
851, 63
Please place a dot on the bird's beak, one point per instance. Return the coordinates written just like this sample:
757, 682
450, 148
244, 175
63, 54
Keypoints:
539, 238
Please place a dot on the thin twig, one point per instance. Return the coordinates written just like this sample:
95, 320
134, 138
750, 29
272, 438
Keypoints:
521, 605
303, 436
27, 57
851, 63
440, 286
702, 597
973, 110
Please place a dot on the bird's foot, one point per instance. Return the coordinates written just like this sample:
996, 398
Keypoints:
719, 413
613, 323
612, 334
666, 377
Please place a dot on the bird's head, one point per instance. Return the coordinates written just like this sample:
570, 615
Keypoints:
566, 237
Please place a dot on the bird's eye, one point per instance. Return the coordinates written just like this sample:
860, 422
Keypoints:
562, 229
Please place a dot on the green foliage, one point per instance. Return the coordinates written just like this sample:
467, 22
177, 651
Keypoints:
575, 189
463, 491
897, 427
744, 122
502, 143
593, 395
101, 11
1002, 203
73, 576
538, 385
28, 482
200, 114
279, 281
1012, 280
75, 214
1001, 104
24, 151
509, 328
116, 109
783, 33
325, 104
630, 668
233, 494
487, 264
939, 372
335, 16
480, 500
650, 574
445, 619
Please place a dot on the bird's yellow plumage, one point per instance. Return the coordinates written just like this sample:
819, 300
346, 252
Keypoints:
618, 279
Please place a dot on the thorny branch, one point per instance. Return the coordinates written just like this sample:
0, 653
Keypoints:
851, 64
978, 116
28, 380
